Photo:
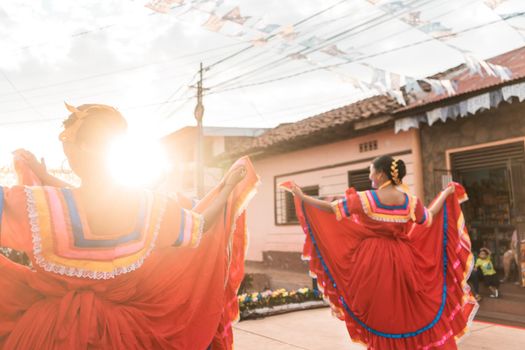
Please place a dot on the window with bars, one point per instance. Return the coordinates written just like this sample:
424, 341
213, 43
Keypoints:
285, 207
359, 179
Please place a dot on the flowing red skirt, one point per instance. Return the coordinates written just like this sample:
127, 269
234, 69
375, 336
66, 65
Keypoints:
394, 293
181, 298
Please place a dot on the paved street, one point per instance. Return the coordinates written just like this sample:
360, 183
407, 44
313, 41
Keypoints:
318, 330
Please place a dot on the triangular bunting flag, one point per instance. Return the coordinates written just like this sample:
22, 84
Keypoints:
213, 23
333, 50
235, 16
288, 33
493, 4
311, 42
297, 56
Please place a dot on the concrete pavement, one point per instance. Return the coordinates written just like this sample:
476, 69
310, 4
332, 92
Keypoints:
318, 330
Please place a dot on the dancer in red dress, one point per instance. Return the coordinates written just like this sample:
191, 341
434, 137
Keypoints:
393, 270
114, 267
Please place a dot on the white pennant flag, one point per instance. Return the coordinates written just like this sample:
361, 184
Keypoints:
393, 6
395, 81
477, 65
268, 28
447, 84
436, 29
311, 42
398, 95
502, 72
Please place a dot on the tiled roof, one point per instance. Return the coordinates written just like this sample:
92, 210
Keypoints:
370, 107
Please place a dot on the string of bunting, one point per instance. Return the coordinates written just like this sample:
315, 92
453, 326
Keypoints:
464, 108
258, 31
442, 33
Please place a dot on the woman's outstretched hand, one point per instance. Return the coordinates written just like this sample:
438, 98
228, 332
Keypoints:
38, 167
323, 205
449, 190
235, 176
296, 190
227, 185
438, 204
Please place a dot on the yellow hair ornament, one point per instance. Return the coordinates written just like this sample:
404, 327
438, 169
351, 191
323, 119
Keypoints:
394, 172
70, 132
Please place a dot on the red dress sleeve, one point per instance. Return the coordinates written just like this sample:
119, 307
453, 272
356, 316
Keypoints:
422, 214
14, 220
345, 207
180, 227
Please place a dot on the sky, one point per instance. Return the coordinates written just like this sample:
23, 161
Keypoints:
143, 62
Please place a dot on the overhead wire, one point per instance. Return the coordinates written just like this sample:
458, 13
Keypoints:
329, 41
300, 73
361, 58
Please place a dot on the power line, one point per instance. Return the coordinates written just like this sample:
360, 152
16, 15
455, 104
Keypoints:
180, 88
274, 35
123, 70
305, 71
104, 93
175, 92
26, 101
262, 59
300, 34
198, 53
186, 101
370, 24
357, 60
151, 63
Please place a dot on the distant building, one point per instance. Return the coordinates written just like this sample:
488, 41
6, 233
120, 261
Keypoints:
181, 149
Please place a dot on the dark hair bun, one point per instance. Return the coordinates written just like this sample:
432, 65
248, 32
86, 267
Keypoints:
401, 168
395, 169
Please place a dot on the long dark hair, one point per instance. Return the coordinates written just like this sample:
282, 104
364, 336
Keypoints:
394, 169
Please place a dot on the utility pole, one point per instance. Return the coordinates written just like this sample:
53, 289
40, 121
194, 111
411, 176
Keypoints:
199, 113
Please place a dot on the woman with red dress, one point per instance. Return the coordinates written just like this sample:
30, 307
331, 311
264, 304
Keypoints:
392, 269
116, 267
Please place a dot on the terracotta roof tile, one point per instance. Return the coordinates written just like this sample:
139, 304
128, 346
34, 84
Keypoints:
370, 107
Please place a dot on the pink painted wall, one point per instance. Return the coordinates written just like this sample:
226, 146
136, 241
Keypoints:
265, 235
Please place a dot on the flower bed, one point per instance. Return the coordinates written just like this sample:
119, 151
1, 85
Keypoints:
267, 303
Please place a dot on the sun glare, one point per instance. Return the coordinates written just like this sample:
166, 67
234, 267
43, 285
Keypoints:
136, 161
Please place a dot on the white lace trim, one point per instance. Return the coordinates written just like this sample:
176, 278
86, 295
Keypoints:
74, 271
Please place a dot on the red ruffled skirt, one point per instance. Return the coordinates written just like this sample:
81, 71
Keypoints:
180, 298
394, 293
